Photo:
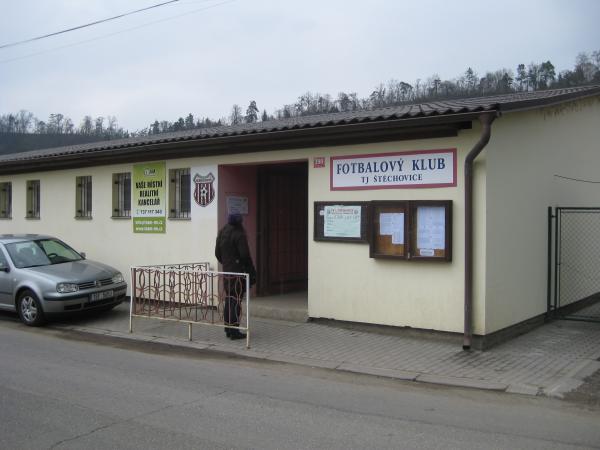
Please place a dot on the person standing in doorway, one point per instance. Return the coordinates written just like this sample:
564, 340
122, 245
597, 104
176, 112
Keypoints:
232, 252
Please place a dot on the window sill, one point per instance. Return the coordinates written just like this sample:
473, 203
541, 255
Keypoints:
121, 217
180, 218
83, 218
6, 218
32, 218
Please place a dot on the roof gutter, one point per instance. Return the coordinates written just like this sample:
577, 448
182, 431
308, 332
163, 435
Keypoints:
184, 147
486, 120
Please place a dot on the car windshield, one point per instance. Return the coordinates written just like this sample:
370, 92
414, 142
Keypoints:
41, 252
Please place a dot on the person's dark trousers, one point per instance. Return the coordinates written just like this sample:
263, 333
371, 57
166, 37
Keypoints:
235, 289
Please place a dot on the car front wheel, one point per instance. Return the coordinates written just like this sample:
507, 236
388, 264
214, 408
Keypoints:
29, 309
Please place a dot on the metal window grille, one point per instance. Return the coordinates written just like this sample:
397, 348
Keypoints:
122, 194
83, 207
180, 195
33, 199
5, 200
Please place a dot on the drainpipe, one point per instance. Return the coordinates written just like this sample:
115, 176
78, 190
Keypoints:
486, 120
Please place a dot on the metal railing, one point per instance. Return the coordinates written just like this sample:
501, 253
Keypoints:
190, 293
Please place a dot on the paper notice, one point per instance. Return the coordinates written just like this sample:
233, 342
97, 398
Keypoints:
392, 224
431, 231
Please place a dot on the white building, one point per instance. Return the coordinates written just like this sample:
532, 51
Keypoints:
366, 211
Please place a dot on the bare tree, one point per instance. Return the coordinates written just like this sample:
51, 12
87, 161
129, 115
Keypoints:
55, 123
40, 127
8, 123
86, 126
23, 122
522, 78
99, 126
236, 116
547, 74
533, 75
165, 126
68, 127
343, 102
585, 66
377, 97
113, 127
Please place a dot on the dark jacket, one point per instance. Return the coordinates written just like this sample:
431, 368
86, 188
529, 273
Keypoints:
232, 251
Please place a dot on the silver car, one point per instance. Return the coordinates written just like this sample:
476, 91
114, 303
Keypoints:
41, 276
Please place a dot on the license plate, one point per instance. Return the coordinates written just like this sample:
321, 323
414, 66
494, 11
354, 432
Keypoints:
96, 296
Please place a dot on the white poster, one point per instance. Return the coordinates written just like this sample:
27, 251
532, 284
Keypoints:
237, 204
392, 224
425, 169
431, 231
204, 186
342, 221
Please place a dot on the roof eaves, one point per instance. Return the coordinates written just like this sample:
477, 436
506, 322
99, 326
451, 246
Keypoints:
228, 143
519, 105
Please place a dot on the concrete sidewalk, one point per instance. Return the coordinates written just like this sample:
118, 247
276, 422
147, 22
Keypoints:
551, 360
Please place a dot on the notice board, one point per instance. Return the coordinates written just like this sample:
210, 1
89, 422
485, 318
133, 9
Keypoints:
431, 225
341, 221
389, 229
412, 230
394, 229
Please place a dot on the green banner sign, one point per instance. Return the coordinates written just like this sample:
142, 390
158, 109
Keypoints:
149, 198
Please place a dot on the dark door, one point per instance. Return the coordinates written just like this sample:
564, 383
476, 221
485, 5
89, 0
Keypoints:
283, 228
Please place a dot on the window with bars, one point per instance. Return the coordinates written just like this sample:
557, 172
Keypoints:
5, 200
33, 199
121, 195
179, 193
83, 197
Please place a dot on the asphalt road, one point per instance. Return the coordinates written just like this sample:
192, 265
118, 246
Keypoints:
63, 391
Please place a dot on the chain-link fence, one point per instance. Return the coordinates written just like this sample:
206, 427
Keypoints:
576, 261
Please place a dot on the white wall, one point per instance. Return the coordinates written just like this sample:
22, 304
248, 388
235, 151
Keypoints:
112, 240
344, 283
526, 151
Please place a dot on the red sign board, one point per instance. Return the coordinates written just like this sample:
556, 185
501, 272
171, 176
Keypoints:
318, 162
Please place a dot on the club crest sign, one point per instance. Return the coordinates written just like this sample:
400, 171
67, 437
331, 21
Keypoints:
204, 192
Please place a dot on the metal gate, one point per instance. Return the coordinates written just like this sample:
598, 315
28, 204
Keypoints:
574, 263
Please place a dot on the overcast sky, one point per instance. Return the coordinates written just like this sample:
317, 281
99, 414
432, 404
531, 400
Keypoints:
202, 56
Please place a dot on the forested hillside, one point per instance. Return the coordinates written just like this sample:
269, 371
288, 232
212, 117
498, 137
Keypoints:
23, 131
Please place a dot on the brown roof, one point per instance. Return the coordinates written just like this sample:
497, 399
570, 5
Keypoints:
326, 129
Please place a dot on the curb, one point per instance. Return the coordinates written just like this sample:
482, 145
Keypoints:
462, 382
195, 348
574, 379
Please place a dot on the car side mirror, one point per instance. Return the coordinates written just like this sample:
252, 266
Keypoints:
82, 254
4, 268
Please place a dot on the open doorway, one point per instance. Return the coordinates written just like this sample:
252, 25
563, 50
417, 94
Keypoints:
273, 199
282, 228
